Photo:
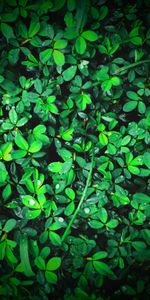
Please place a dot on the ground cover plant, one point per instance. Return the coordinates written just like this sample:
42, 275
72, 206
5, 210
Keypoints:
74, 149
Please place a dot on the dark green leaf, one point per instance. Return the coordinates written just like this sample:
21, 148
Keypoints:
69, 73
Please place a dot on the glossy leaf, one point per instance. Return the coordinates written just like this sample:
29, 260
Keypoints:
10, 224
21, 142
59, 58
69, 73
24, 255
53, 264
90, 35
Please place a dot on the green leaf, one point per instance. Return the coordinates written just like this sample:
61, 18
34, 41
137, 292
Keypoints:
81, 14
141, 198
33, 28
69, 209
134, 32
53, 264
53, 108
10, 256
40, 263
137, 161
21, 142
55, 226
103, 12
35, 147
17, 154
146, 159
32, 214
102, 74
146, 235
134, 170
38, 85
13, 116
60, 44
83, 100
2, 250
33, 59
67, 135
1, 78
59, 58
67, 165
10, 17
129, 106
129, 290
139, 246
7, 192
69, 73
106, 85
111, 149
6, 149
103, 215
24, 256
55, 238
13, 56
133, 96
7, 31
70, 193
95, 224
45, 55
102, 268
141, 107
39, 129
9, 225
115, 81
71, 5
30, 201
102, 49
129, 158
65, 154
99, 255
57, 5
29, 184
90, 35
112, 223
3, 173
125, 140
55, 167
103, 139
136, 40
45, 252
80, 45
51, 277
22, 122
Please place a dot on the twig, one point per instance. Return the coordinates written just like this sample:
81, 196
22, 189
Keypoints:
131, 66
82, 198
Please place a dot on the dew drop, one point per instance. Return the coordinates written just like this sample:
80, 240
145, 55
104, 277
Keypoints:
60, 219
86, 210
31, 202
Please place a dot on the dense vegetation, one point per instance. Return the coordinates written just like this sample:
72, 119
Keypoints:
74, 150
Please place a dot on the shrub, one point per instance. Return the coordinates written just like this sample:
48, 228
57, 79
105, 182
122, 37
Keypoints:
74, 150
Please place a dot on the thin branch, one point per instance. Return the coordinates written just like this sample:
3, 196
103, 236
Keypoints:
82, 198
131, 66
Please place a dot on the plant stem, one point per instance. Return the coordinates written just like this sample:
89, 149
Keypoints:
124, 69
82, 198
131, 66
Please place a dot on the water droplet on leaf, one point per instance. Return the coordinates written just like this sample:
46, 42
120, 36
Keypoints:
31, 202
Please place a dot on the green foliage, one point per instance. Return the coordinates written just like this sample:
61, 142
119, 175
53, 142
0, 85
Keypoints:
74, 150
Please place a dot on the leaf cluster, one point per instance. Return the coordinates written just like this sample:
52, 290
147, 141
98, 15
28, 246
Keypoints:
74, 150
